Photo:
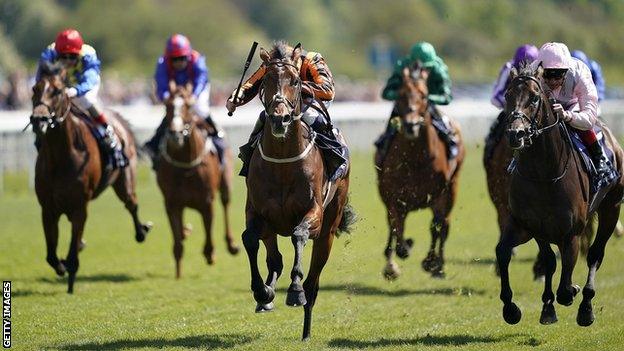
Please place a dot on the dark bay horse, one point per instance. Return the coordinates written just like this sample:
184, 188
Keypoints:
69, 170
549, 199
416, 174
189, 174
287, 188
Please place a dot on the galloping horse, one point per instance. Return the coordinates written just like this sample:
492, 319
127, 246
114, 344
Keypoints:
288, 191
69, 170
549, 199
189, 174
416, 174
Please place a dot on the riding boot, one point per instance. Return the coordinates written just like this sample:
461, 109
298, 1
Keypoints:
218, 132
150, 147
246, 150
602, 165
445, 132
109, 138
383, 142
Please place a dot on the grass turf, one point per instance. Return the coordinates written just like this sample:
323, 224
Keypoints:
126, 296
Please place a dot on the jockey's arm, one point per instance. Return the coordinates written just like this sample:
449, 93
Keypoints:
500, 87
391, 90
250, 88
439, 84
201, 78
162, 79
322, 83
90, 76
47, 55
587, 96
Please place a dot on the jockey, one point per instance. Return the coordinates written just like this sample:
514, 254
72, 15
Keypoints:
438, 85
83, 75
525, 54
596, 72
317, 87
569, 81
182, 64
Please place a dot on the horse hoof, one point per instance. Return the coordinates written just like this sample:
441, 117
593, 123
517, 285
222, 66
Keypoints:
60, 268
295, 297
265, 296
438, 274
140, 237
82, 245
391, 271
566, 298
267, 307
210, 260
585, 316
403, 250
548, 316
511, 313
233, 250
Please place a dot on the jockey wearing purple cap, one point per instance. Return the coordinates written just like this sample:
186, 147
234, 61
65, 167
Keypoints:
183, 65
525, 54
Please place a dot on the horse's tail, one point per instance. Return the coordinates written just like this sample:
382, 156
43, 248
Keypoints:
349, 217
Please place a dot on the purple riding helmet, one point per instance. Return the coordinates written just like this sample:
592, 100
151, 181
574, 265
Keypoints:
525, 53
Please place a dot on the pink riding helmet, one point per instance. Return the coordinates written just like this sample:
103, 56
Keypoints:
554, 55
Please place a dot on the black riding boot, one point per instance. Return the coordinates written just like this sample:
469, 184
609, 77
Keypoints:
245, 151
218, 132
447, 135
602, 164
151, 146
383, 142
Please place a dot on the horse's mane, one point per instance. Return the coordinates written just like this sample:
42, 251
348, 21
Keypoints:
281, 50
526, 70
47, 68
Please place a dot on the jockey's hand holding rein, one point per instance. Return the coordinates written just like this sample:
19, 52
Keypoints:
230, 105
71, 92
566, 116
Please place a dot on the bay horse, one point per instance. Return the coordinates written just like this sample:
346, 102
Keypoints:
417, 174
497, 156
549, 198
286, 188
69, 170
189, 173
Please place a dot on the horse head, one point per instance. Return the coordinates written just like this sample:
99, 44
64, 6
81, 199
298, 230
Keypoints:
50, 102
281, 87
412, 102
179, 114
526, 107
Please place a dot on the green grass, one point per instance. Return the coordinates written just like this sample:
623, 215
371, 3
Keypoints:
127, 298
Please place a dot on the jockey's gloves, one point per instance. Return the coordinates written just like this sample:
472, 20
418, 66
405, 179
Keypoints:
71, 92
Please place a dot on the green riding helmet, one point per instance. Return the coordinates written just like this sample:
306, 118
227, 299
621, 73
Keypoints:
423, 52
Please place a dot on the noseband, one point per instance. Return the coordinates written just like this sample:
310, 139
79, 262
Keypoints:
52, 120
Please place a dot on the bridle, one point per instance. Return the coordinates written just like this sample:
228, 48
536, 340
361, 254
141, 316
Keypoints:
52, 119
279, 98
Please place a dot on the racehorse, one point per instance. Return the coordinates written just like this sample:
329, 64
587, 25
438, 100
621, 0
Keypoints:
288, 191
549, 198
70, 172
189, 173
416, 174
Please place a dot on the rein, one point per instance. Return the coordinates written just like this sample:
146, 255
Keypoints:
51, 120
535, 131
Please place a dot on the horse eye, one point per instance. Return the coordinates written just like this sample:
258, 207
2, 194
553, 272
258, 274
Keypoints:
294, 82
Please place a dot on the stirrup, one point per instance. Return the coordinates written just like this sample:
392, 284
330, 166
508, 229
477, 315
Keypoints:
110, 138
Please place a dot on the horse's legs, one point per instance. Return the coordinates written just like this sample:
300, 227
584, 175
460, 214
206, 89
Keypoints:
320, 253
391, 271
124, 188
77, 219
396, 220
207, 214
549, 261
608, 220
50, 229
224, 191
275, 266
569, 253
174, 212
263, 294
296, 295
512, 237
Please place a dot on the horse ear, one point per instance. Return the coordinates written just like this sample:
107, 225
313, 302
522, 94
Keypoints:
539, 71
513, 73
189, 87
172, 86
296, 52
264, 55
405, 72
424, 74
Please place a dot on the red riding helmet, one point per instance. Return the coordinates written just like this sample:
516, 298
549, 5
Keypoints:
178, 45
68, 41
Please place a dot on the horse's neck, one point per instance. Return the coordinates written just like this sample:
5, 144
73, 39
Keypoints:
58, 143
547, 157
293, 144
